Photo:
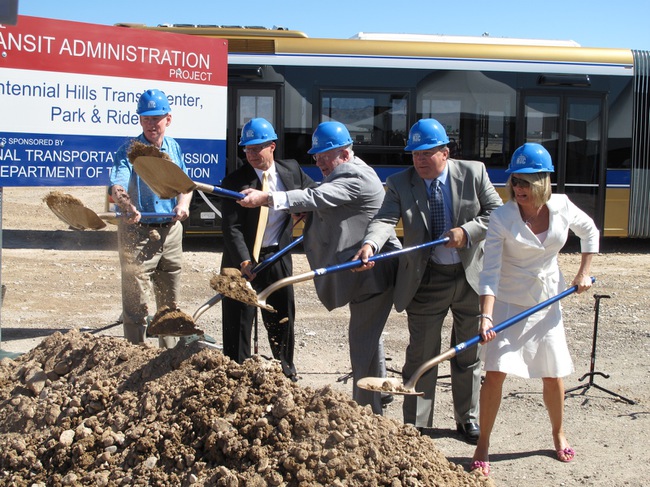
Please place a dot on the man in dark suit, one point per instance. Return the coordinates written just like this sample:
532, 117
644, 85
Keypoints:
240, 232
432, 282
339, 210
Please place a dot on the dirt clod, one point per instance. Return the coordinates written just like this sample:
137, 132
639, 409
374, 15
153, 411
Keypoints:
137, 149
232, 284
172, 322
56, 200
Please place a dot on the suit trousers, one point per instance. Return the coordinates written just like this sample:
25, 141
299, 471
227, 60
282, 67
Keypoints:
443, 288
149, 264
368, 315
238, 319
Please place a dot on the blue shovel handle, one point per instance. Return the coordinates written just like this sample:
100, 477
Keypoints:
143, 215
208, 188
265, 263
518, 317
148, 215
375, 258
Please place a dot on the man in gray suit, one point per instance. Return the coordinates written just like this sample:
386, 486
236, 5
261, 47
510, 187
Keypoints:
431, 282
339, 211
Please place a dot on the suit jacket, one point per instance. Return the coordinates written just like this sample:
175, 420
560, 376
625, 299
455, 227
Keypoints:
239, 224
473, 199
341, 207
518, 267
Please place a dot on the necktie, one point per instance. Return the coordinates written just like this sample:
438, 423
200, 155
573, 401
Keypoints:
261, 223
437, 209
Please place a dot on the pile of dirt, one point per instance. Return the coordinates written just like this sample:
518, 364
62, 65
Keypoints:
86, 410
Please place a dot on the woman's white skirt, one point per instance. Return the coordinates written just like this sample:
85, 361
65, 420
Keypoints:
531, 348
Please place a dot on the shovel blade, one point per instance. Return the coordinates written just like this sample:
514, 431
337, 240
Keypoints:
164, 177
390, 385
172, 322
72, 212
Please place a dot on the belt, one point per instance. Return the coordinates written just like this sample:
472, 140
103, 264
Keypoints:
431, 263
156, 225
271, 249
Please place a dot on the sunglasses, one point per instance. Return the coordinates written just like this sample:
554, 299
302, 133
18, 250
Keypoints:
256, 149
522, 183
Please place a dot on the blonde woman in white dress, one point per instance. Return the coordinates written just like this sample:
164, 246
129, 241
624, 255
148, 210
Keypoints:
521, 270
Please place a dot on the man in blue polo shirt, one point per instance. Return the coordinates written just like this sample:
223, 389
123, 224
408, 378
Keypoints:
150, 252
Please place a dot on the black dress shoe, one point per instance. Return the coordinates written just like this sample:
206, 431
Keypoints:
469, 432
386, 399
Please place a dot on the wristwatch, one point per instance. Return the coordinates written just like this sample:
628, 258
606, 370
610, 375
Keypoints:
269, 200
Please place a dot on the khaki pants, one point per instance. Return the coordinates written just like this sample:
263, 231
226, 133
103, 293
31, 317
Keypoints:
149, 265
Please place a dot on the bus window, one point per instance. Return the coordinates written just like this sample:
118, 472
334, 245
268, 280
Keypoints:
477, 110
254, 104
377, 122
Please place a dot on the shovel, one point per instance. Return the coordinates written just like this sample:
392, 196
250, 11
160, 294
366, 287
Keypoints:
393, 385
73, 212
168, 180
307, 276
185, 325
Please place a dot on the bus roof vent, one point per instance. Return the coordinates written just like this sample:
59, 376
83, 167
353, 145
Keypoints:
260, 46
484, 39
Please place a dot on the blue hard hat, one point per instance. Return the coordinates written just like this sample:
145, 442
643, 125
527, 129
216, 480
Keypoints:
530, 158
328, 136
257, 131
153, 103
425, 134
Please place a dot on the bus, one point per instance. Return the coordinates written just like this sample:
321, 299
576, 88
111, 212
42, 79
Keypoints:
589, 107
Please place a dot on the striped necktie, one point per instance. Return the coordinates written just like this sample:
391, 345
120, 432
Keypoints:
437, 209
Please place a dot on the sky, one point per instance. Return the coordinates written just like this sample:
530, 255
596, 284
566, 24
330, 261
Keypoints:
590, 23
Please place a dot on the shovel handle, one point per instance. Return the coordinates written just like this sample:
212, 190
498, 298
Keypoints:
518, 317
265, 263
144, 215
375, 258
307, 276
226, 193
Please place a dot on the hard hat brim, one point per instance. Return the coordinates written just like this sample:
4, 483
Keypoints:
154, 113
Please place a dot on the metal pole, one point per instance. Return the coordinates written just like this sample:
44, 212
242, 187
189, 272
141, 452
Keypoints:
592, 367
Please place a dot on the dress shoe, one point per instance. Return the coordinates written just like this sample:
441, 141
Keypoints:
386, 399
469, 432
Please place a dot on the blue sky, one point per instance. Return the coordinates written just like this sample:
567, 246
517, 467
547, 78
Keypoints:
593, 23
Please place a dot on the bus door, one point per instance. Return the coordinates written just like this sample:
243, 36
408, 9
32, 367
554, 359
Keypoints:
571, 128
245, 103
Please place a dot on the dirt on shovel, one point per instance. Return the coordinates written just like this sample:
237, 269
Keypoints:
232, 284
172, 322
72, 211
62, 204
137, 149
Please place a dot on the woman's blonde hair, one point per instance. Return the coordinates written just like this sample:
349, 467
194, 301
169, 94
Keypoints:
540, 184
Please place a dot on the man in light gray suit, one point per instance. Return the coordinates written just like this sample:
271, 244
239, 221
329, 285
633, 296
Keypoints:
431, 282
339, 211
